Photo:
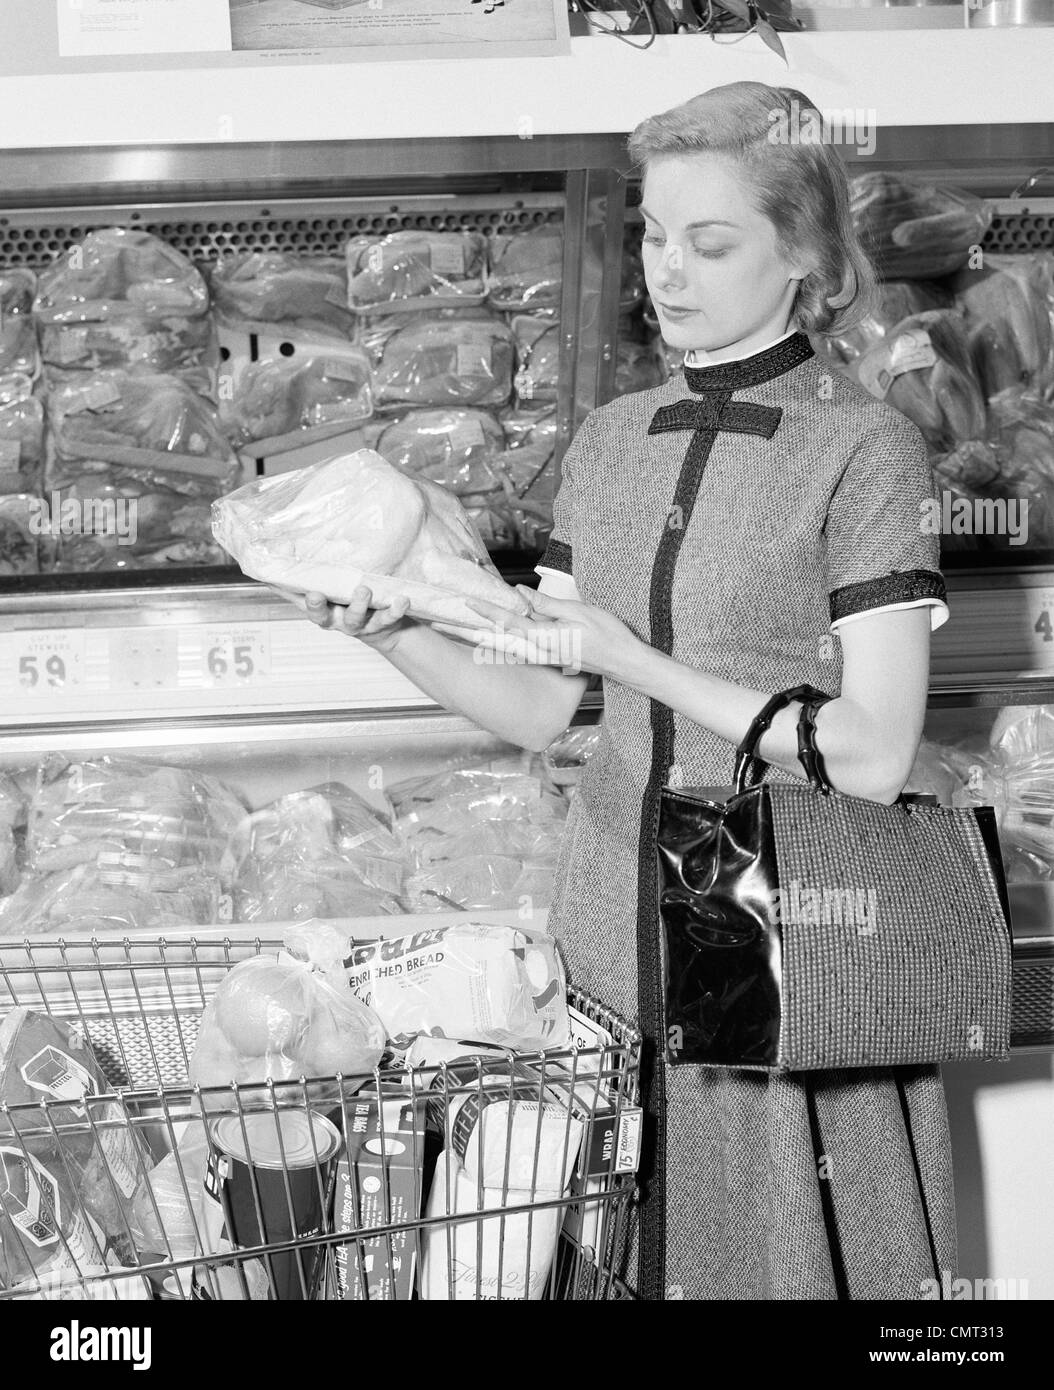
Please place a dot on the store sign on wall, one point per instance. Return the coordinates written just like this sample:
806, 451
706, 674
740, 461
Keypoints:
144, 35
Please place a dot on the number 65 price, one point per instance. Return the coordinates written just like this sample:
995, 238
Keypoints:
237, 658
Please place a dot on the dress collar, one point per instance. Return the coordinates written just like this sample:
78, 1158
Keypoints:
772, 361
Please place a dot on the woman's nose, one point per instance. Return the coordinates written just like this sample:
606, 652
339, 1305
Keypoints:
670, 271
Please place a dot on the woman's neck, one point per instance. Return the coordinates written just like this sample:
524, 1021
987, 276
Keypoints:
757, 342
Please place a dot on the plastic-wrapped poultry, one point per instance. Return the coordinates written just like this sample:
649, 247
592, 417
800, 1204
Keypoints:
538, 349
127, 418
184, 346
21, 437
283, 287
1007, 304
446, 361
18, 338
914, 230
283, 403
924, 369
19, 541
118, 272
895, 301
356, 519
526, 269
453, 447
409, 268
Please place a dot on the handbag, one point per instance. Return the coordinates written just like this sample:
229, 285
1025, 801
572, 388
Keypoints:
802, 928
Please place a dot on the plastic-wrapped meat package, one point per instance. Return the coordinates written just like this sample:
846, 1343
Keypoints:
1022, 437
21, 519
963, 475
923, 367
120, 845
481, 883
410, 268
538, 347
453, 447
526, 269
184, 347
118, 272
21, 438
567, 755
895, 301
78, 1170
638, 367
446, 361
18, 338
284, 403
12, 832
282, 1017
1007, 306
139, 419
307, 292
914, 230
527, 424
323, 852
111, 517
358, 520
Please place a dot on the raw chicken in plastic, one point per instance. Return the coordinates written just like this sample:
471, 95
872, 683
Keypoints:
20, 521
895, 301
408, 268
284, 403
21, 438
186, 347
308, 292
12, 832
538, 346
914, 230
923, 368
280, 1018
1007, 306
116, 272
357, 520
18, 338
446, 361
126, 418
453, 447
526, 268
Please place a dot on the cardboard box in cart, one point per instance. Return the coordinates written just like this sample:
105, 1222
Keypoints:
379, 1180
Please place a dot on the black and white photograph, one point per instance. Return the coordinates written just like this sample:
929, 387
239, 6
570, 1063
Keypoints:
527, 673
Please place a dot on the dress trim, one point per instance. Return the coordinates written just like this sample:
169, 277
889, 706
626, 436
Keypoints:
763, 366
557, 557
906, 586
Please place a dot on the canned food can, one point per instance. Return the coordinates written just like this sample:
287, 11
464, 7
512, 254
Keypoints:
271, 1173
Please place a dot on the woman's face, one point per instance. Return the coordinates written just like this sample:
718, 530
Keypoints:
714, 270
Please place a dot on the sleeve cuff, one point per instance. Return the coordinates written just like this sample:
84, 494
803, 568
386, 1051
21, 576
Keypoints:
557, 558
903, 589
939, 613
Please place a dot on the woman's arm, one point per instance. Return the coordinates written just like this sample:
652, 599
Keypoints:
526, 704
868, 736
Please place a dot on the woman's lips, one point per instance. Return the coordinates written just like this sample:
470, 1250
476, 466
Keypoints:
673, 313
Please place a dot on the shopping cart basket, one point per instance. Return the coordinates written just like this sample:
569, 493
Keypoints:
498, 1177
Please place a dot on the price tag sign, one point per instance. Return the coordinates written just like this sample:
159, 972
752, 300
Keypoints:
1041, 624
45, 663
234, 656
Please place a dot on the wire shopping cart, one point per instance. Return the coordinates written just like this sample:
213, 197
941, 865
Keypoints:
509, 1176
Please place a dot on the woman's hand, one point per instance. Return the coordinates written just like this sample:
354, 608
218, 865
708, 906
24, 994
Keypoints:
379, 624
560, 632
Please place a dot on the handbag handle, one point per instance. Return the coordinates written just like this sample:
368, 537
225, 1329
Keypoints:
809, 755
746, 750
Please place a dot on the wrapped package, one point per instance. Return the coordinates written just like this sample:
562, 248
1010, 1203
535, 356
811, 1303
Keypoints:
284, 403
18, 337
88, 1152
12, 831
1021, 434
453, 447
1007, 307
538, 348
284, 287
468, 980
482, 883
409, 268
139, 420
21, 440
567, 755
895, 300
526, 269
281, 1017
638, 367
912, 229
1022, 732
529, 424
116, 272
324, 852
20, 529
167, 1220
494, 1257
180, 346
357, 520
116, 845
441, 361
460, 799
924, 369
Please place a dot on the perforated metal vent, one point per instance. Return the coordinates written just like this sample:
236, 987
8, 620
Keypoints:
1020, 232
203, 232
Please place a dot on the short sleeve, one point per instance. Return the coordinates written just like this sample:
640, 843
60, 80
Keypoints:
559, 552
883, 538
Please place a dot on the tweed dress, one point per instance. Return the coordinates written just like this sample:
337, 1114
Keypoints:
735, 518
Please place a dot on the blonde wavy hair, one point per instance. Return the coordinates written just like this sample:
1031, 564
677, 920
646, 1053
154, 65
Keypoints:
799, 185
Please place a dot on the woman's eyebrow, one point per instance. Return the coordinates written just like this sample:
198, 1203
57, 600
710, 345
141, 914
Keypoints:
692, 226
